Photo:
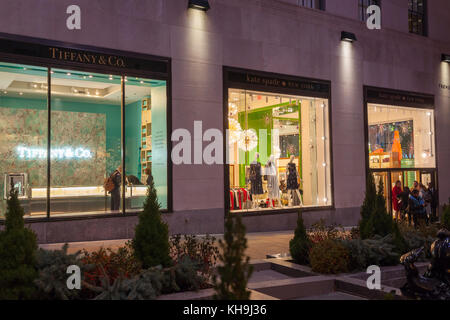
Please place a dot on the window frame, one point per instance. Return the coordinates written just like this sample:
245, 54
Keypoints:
407, 99
236, 84
10, 54
417, 15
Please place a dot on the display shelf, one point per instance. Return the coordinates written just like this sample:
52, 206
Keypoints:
146, 137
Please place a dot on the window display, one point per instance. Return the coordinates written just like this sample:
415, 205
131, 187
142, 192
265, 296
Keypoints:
278, 151
85, 148
400, 137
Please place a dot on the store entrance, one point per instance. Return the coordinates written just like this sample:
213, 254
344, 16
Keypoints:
406, 178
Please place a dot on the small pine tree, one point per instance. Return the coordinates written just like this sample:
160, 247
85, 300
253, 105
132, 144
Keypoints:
235, 270
17, 254
368, 206
151, 239
300, 245
375, 220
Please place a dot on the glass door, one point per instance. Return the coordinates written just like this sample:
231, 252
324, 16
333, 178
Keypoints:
384, 178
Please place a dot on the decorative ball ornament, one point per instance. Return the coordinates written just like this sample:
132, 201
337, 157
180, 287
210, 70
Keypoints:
235, 131
248, 140
232, 109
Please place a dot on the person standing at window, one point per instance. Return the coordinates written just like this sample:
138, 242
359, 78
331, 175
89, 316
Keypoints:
116, 177
149, 179
396, 191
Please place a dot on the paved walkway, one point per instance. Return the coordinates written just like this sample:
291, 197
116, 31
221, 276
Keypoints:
259, 244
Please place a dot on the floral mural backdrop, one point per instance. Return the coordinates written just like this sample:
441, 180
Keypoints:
83, 133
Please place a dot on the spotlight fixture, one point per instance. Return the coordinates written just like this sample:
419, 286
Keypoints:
348, 36
199, 5
446, 57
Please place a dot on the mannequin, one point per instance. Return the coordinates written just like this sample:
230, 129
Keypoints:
256, 180
292, 180
272, 181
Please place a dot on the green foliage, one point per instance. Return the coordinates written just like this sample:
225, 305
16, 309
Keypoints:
329, 256
377, 251
236, 269
17, 254
375, 220
150, 283
202, 250
151, 239
445, 219
300, 245
52, 267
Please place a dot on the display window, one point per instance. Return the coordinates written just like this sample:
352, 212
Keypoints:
401, 152
278, 151
400, 137
103, 127
23, 135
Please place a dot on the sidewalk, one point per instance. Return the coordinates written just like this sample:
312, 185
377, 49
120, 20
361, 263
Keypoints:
259, 244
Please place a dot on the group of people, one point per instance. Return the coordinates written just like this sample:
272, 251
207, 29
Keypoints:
416, 204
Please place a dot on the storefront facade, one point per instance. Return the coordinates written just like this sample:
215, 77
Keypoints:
296, 101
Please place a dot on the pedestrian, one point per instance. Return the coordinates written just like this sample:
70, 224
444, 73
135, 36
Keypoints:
434, 201
416, 208
403, 202
396, 191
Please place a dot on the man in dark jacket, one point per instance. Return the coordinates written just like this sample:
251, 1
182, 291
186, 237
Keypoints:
433, 201
416, 207
116, 177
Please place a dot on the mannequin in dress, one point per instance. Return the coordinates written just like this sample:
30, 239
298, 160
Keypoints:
256, 180
292, 180
272, 181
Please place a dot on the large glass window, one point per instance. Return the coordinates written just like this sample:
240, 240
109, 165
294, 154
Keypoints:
417, 16
278, 151
146, 140
87, 147
23, 136
400, 137
85, 142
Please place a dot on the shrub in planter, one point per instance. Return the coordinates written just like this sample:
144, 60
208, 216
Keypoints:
377, 251
121, 262
300, 245
17, 254
329, 256
150, 283
202, 250
233, 275
320, 232
52, 267
151, 239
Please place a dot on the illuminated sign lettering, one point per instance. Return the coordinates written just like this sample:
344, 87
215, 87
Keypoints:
68, 153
